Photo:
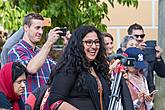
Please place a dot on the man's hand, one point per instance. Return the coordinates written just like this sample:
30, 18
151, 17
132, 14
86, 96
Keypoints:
159, 51
66, 38
53, 35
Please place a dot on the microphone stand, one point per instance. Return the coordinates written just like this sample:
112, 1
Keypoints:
116, 88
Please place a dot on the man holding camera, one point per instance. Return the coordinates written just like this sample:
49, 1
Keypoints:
157, 64
38, 63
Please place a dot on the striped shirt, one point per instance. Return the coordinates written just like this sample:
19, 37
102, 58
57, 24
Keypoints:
23, 52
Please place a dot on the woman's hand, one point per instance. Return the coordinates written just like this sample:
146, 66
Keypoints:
159, 51
141, 97
149, 98
112, 66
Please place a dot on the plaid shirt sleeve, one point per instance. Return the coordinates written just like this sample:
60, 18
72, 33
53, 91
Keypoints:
18, 55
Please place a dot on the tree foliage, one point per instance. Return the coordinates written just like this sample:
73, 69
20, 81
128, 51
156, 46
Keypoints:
125, 2
69, 13
11, 16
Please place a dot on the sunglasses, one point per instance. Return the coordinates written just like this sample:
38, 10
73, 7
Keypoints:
141, 36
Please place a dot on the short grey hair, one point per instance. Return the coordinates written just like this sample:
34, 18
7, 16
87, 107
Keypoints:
126, 39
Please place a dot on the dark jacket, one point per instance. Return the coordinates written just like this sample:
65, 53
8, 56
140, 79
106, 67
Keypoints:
126, 98
124, 94
64, 86
158, 66
4, 102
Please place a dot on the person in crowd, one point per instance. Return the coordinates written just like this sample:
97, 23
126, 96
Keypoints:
108, 42
108, 39
80, 78
156, 65
12, 85
136, 81
128, 41
15, 38
78, 73
39, 65
37, 100
10, 42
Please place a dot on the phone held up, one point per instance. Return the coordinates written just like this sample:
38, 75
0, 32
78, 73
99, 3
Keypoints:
47, 22
64, 31
150, 52
153, 92
151, 43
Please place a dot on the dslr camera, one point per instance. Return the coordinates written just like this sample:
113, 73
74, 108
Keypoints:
123, 59
64, 30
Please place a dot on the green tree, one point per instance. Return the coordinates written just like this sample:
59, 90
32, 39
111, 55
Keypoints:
69, 13
11, 16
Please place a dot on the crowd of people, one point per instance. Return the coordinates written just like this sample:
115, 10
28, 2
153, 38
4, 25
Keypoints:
85, 76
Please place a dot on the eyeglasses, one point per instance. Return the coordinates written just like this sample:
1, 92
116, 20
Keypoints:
90, 42
141, 36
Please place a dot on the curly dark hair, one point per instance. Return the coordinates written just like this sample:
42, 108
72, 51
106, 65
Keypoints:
73, 60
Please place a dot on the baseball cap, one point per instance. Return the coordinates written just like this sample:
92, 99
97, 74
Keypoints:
138, 54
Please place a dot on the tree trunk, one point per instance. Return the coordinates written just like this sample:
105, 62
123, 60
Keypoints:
160, 82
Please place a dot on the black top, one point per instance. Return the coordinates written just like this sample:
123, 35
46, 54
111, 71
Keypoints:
159, 67
4, 102
64, 86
